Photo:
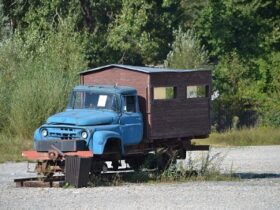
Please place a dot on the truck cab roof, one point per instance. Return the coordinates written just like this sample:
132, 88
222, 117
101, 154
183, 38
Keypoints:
125, 90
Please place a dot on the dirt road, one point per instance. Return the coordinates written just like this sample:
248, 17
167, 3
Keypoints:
259, 188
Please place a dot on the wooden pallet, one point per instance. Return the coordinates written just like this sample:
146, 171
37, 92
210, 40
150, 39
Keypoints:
55, 181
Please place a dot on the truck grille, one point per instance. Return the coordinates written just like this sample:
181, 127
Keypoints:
64, 133
62, 145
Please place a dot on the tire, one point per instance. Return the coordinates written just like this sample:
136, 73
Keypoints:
136, 162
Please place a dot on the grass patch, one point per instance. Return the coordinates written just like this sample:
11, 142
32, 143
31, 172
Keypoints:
11, 147
244, 137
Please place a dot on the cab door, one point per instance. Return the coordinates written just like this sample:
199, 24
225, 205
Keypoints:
131, 120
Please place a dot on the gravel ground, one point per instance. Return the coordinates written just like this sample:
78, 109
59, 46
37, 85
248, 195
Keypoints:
249, 193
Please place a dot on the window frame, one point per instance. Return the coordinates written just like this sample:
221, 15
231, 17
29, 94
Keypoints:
206, 88
136, 108
164, 99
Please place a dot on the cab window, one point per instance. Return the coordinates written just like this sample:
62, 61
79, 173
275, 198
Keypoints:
129, 104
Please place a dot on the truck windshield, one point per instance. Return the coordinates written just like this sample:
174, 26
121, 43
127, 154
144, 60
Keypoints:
92, 100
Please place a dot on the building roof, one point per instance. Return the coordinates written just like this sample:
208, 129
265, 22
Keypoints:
148, 70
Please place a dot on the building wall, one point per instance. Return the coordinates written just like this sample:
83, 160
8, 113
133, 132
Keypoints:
180, 117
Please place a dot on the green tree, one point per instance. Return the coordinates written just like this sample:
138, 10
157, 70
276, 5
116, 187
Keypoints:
269, 106
190, 12
142, 31
237, 92
243, 37
247, 27
4, 24
89, 17
187, 52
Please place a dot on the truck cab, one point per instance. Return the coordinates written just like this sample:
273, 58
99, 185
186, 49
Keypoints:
101, 119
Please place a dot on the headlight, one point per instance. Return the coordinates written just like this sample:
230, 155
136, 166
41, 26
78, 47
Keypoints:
84, 134
44, 132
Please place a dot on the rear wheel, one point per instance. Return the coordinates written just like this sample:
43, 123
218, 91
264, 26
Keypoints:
136, 162
115, 165
164, 160
97, 166
160, 160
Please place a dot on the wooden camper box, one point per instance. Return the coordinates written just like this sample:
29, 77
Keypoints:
180, 117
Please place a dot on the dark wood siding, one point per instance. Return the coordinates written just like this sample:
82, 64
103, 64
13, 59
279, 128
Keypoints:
180, 117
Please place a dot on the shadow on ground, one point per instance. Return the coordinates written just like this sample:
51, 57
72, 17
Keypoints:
256, 175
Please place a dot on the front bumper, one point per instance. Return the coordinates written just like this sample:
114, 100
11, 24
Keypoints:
58, 149
34, 155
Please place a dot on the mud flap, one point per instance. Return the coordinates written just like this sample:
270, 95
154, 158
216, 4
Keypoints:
77, 170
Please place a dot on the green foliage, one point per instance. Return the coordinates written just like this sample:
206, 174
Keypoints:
236, 86
127, 32
187, 52
4, 29
43, 44
249, 28
142, 31
236, 89
11, 147
89, 16
190, 12
37, 75
269, 106
11, 55
243, 39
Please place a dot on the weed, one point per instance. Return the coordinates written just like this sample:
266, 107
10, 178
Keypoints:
105, 180
204, 167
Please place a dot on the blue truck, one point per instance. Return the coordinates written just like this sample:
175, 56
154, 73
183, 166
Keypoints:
113, 115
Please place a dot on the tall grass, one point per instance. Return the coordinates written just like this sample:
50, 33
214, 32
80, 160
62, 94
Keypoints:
12, 146
37, 73
244, 137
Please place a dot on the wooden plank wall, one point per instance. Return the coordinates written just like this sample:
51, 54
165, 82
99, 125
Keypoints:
180, 117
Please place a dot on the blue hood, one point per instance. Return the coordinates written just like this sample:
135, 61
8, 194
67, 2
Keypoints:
83, 117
